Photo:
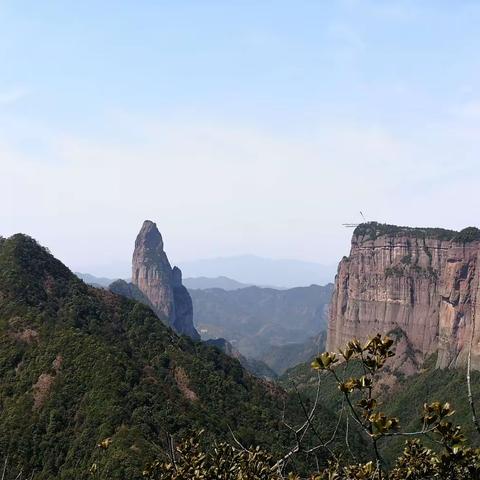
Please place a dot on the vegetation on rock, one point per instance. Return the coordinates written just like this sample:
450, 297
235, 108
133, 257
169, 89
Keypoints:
373, 230
469, 234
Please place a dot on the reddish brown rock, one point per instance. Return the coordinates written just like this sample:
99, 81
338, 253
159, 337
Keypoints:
183, 383
41, 389
422, 281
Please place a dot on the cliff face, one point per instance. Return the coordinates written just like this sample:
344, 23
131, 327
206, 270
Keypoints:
151, 270
183, 320
424, 282
159, 283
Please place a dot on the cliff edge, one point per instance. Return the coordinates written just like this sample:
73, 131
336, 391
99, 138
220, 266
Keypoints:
423, 281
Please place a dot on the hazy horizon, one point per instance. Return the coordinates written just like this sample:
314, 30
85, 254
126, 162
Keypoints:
239, 128
212, 268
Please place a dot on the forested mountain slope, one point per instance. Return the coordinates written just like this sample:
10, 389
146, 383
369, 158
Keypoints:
253, 319
404, 399
79, 365
282, 357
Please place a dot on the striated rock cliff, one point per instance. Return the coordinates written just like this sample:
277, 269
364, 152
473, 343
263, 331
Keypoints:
182, 301
161, 285
422, 281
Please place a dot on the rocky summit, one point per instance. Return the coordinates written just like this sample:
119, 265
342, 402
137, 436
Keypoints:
159, 283
422, 281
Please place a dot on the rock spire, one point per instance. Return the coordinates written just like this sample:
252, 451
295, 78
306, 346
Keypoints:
161, 285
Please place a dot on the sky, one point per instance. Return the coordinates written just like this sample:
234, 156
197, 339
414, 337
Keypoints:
239, 127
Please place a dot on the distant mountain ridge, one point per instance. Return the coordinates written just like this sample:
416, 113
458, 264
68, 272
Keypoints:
103, 282
276, 346
254, 270
202, 283
242, 271
255, 319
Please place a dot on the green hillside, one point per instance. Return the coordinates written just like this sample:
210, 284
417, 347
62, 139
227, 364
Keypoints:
405, 400
79, 365
447, 385
282, 357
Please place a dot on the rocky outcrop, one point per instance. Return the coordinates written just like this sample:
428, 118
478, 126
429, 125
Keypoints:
182, 301
129, 290
151, 271
159, 284
424, 282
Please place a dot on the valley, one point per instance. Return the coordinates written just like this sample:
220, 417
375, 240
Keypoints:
80, 364
258, 321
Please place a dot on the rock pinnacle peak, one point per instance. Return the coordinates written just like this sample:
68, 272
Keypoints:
161, 285
149, 236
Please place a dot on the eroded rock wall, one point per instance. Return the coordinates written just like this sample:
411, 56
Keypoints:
422, 281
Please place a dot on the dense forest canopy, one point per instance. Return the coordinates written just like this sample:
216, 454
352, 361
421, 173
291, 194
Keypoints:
79, 365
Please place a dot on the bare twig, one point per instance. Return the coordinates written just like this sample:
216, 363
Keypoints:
171, 447
469, 388
4, 467
347, 443
235, 439
301, 431
469, 366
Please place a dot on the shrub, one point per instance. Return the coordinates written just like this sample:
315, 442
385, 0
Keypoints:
452, 460
469, 234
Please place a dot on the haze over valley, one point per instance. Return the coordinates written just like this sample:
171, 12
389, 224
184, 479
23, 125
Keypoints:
256, 321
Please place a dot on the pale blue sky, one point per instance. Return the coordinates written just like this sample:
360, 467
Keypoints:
238, 126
